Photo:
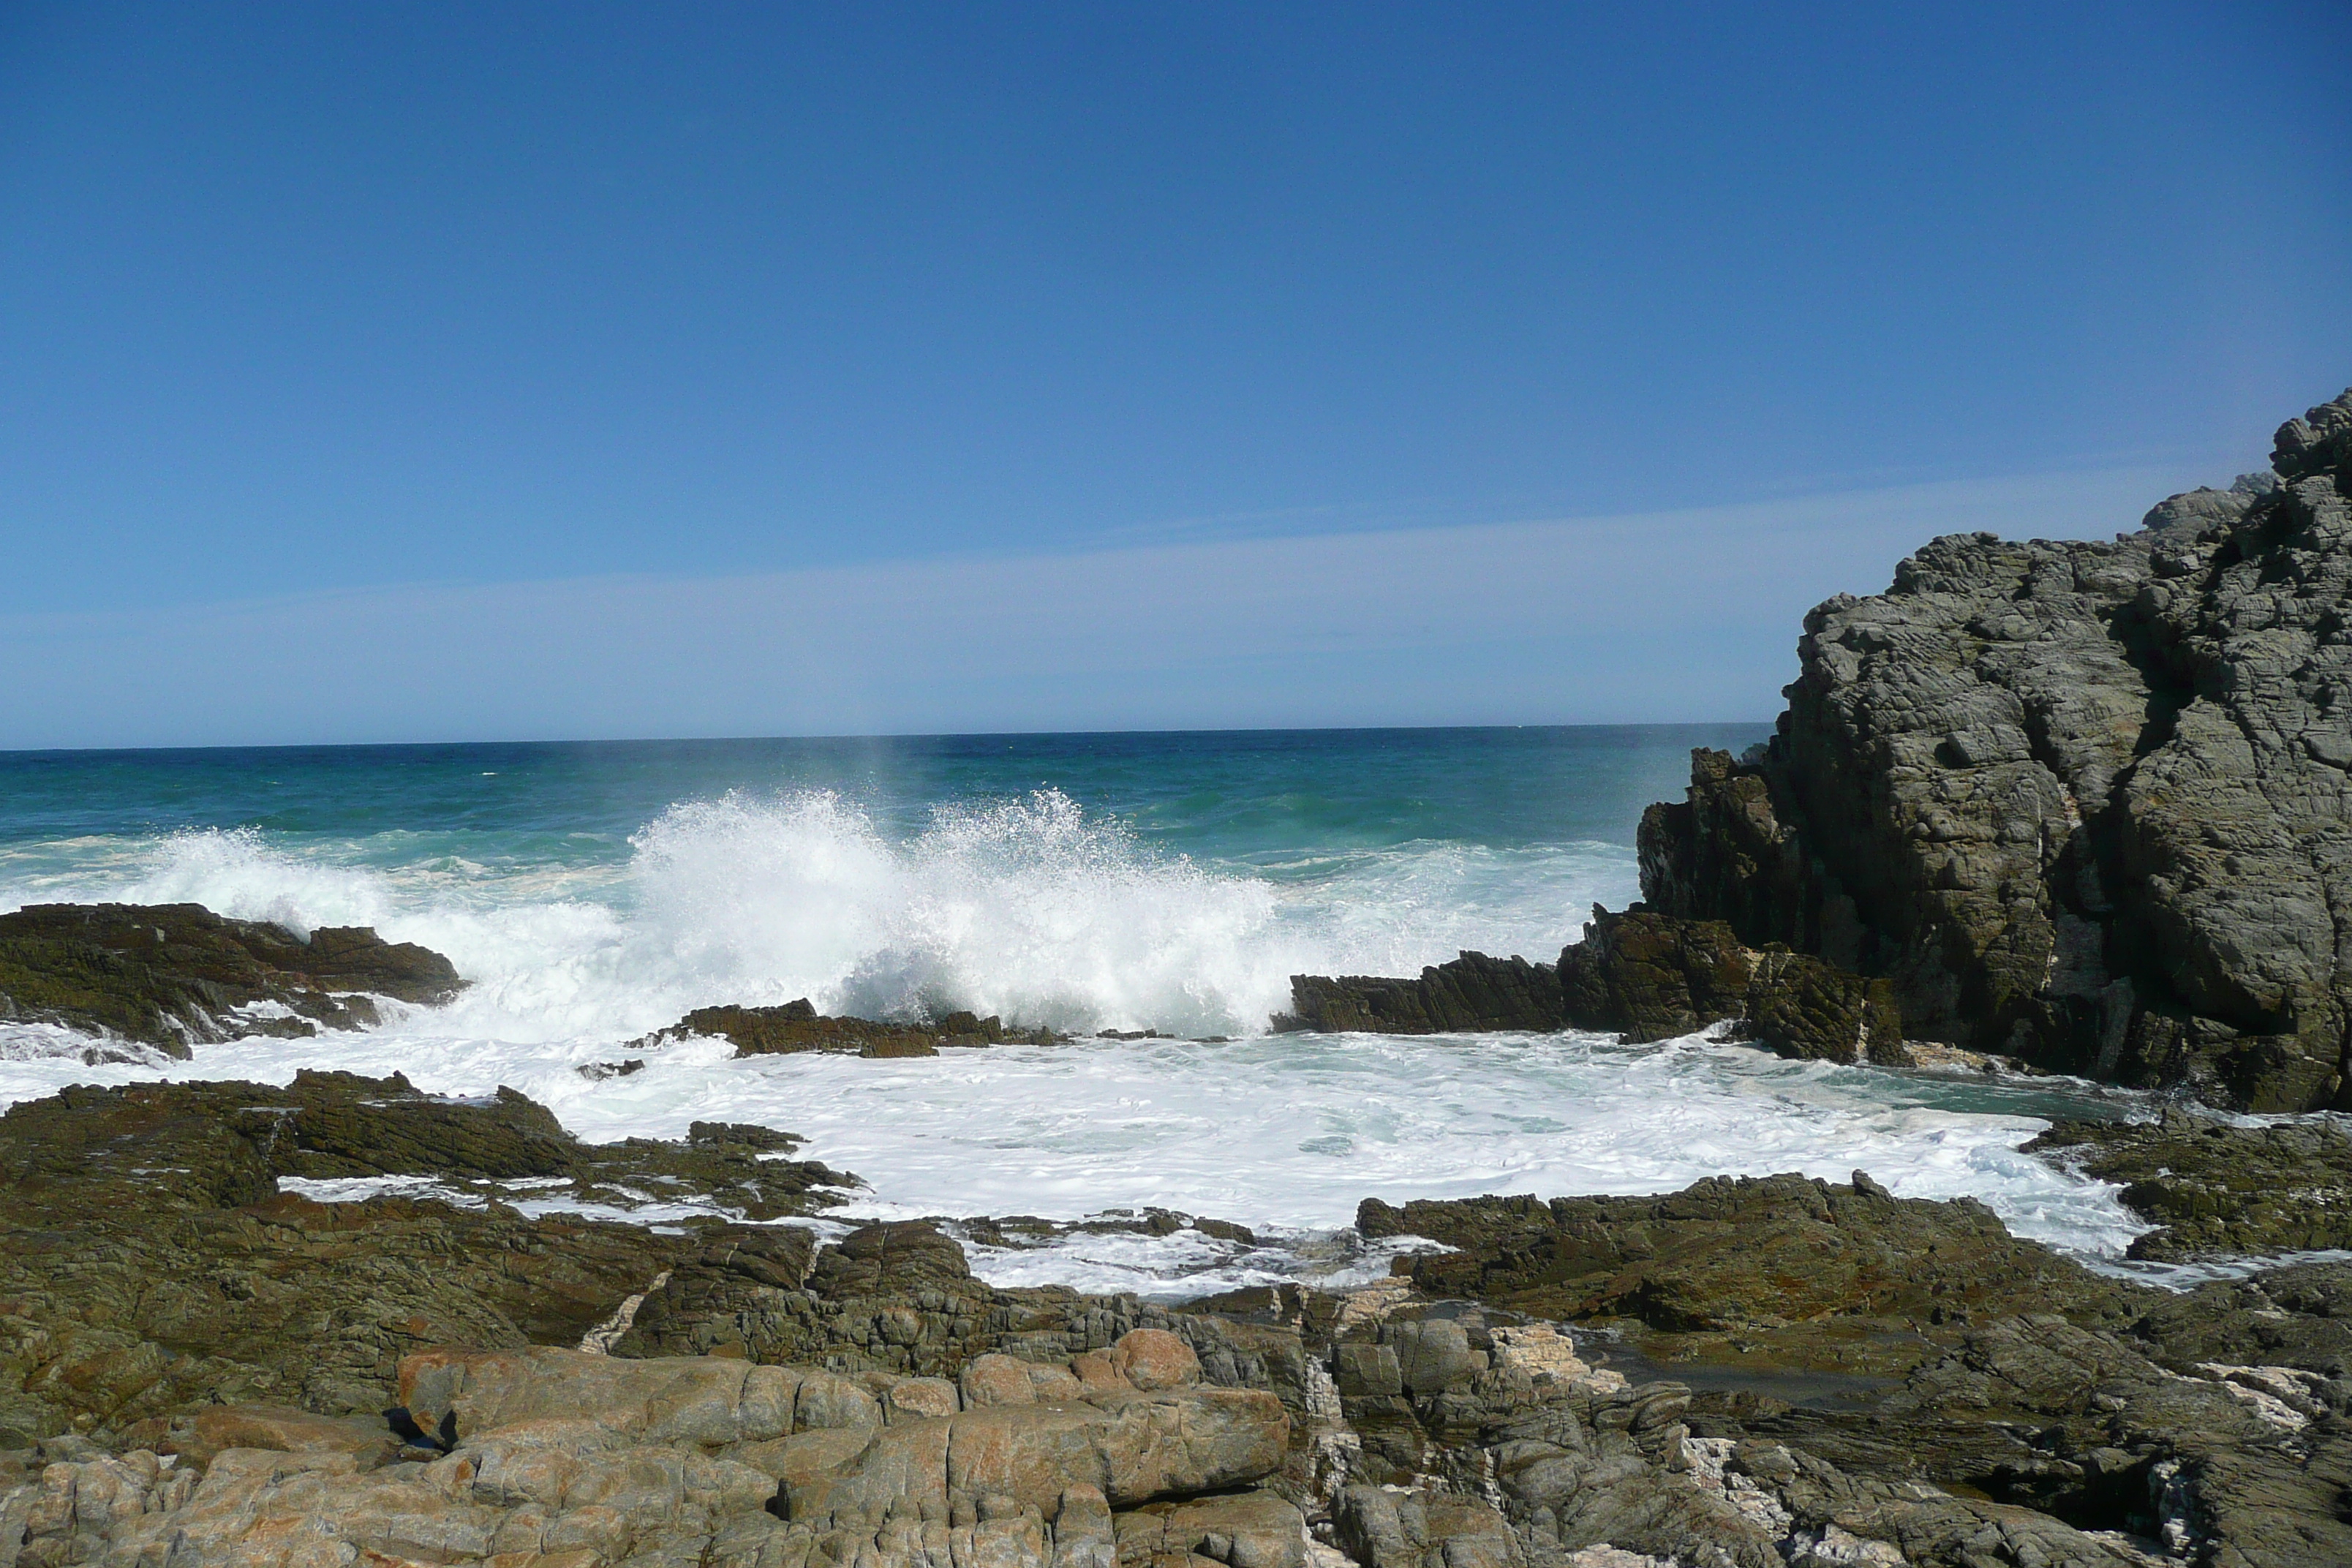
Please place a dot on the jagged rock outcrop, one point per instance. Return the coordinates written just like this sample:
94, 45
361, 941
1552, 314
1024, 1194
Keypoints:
2085, 804
1651, 977
1471, 993
799, 1026
1639, 975
173, 976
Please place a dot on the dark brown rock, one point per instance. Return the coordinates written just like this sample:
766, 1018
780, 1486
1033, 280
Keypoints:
1797, 1271
1472, 993
2217, 1187
169, 975
799, 1026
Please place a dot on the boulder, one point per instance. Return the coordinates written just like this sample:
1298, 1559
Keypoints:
1241, 1529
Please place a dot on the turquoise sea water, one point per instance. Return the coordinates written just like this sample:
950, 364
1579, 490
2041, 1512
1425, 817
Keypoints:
593, 893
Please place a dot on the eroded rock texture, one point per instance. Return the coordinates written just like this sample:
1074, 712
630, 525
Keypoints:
2084, 804
149, 1259
169, 975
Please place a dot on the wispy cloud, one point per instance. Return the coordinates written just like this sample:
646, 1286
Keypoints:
1671, 615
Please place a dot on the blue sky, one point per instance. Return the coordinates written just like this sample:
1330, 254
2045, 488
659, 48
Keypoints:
602, 327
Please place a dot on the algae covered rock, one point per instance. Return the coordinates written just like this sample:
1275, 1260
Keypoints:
149, 1261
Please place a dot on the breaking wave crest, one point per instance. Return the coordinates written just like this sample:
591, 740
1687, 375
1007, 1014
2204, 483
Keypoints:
1030, 908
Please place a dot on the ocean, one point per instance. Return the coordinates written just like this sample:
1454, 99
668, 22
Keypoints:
591, 893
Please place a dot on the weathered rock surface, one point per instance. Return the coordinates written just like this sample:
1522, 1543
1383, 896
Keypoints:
563, 1456
2028, 1404
2083, 804
170, 975
1817, 1274
799, 1026
1387, 1426
2217, 1187
148, 1261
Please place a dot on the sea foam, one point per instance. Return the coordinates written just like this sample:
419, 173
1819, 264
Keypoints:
1029, 908
1037, 910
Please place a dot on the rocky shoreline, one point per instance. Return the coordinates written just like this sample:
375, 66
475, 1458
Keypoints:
2080, 806
199, 1365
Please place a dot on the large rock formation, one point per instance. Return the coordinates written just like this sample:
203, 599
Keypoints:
173, 976
2085, 804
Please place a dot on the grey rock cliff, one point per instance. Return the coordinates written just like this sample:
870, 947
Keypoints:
2082, 803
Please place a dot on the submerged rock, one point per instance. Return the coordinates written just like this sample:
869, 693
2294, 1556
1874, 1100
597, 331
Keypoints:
170, 975
2082, 804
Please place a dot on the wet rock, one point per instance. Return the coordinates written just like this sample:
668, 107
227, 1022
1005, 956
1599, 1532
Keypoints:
173, 976
1471, 993
2217, 1187
799, 1026
2082, 804
1640, 975
1650, 976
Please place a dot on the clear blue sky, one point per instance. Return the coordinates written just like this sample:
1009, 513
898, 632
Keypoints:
475, 307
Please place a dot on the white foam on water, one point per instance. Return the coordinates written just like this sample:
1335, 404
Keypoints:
1037, 911
1029, 909
1286, 1134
